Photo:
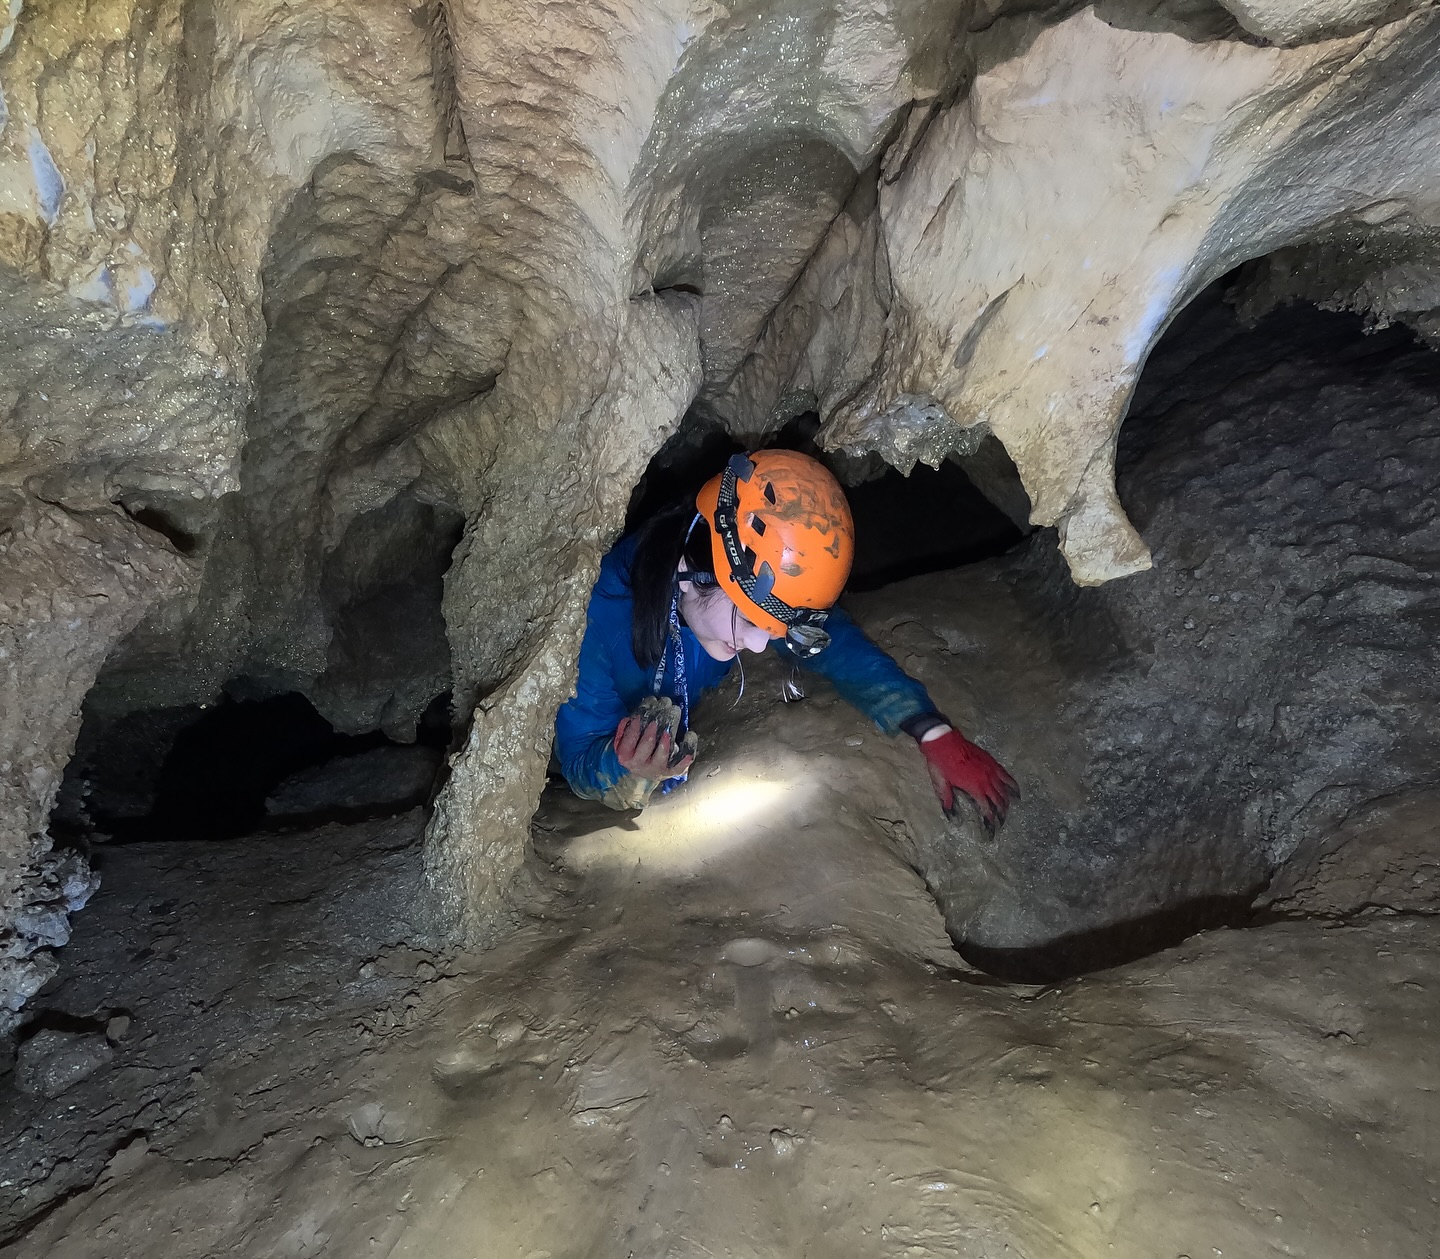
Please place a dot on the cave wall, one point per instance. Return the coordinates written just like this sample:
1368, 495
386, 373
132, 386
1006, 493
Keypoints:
1032, 242
272, 278
147, 152
1261, 706
341, 259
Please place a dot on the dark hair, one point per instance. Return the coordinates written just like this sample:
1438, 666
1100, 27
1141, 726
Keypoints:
660, 544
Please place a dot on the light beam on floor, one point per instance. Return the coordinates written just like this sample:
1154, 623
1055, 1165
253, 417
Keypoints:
702, 820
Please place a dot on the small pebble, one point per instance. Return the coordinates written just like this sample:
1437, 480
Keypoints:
117, 1028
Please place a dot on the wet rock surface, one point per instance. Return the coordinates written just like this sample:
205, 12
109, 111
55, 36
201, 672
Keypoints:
51, 1061
207, 972
335, 337
732, 1023
344, 331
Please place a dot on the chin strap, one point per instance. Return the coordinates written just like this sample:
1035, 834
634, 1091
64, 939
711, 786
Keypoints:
674, 643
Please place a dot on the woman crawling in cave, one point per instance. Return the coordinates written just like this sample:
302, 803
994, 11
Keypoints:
756, 561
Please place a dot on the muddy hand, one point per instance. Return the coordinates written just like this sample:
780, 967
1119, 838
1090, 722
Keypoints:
958, 767
646, 748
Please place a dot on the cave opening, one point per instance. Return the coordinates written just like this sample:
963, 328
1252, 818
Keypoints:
1289, 594
242, 765
163, 755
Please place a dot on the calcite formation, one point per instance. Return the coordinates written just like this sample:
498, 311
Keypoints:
291, 293
1047, 226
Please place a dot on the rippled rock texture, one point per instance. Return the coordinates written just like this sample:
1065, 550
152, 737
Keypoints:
1266, 697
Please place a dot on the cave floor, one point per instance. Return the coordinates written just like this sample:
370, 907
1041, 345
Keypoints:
732, 1028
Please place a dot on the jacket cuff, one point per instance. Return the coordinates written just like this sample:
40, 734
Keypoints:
918, 726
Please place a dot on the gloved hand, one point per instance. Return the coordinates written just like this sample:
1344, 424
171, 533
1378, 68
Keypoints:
645, 744
956, 763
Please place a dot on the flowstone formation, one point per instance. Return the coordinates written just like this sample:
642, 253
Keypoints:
335, 336
1032, 240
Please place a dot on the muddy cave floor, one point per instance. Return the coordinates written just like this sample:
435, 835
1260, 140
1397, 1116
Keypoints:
734, 1027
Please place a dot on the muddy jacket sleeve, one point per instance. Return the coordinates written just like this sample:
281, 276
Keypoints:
585, 725
865, 676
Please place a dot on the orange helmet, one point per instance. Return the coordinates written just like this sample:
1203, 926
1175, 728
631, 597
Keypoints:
783, 542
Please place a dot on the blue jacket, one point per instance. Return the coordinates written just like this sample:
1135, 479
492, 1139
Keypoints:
611, 682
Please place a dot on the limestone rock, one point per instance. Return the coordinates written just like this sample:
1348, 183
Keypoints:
632, 792
343, 330
476, 843
1263, 699
1008, 279
398, 777
73, 583
51, 1061
1292, 21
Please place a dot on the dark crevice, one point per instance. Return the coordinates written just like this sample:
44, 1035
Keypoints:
60, 1021
212, 771
436, 20
447, 180
1089, 951
153, 518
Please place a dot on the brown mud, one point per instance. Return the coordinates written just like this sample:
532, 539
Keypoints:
732, 1026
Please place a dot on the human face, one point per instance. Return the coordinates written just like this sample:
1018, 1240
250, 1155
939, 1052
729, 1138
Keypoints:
716, 620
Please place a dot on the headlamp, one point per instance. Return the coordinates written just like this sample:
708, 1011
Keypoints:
808, 637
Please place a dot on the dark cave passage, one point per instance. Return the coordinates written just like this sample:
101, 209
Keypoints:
259, 752
227, 773
1279, 655
240, 765
1206, 349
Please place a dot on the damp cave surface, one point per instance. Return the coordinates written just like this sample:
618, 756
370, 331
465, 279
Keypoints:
340, 339
254, 754
260, 967
207, 771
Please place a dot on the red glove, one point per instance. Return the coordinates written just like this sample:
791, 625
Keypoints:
955, 762
646, 750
